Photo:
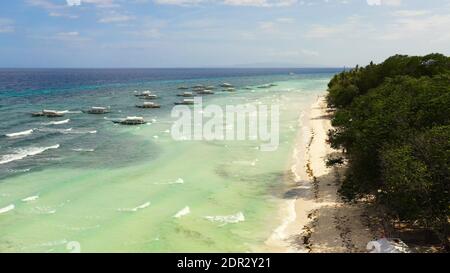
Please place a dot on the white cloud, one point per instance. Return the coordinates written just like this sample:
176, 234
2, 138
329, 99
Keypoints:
251, 3
73, 2
384, 2
6, 25
115, 17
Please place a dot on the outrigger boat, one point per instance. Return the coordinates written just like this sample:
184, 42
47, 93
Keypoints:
205, 92
225, 84
143, 94
148, 97
185, 102
148, 105
131, 121
97, 110
229, 89
183, 88
186, 94
48, 113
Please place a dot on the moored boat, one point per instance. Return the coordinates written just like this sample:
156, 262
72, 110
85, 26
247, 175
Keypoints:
131, 121
185, 102
186, 94
229, 89
97, 110
148, 105
205, 92
144, 93
225, 84
148, 97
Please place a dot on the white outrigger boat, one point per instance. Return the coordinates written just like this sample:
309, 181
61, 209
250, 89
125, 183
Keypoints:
131, 121
186, 94
143, 94
185, 102
225, 84
97, 110
205, 92
48, 113
148, 97
229, 89
148, 104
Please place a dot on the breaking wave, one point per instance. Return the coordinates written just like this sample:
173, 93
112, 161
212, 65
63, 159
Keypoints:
227, 219
22, 153
185, 211
7, 208
143, 206
19, 134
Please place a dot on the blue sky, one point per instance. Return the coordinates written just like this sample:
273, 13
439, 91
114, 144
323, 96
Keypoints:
205, 33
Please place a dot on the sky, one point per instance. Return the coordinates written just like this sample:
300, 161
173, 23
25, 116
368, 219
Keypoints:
218, 33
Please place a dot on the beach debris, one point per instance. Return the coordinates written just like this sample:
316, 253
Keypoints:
387, 245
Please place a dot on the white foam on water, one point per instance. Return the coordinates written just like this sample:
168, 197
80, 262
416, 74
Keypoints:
31, 198
58, 122
280, 232
71, 131
143, 206
22, 153
19, 134
178, 181
246, 162
7, 208
185, 211
70, 112
227, 219
83, 150
44, 210
19, 170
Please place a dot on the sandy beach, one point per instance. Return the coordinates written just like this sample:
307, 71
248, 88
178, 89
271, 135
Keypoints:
314, 218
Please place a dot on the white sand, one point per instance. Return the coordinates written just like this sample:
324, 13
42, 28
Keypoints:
314, 218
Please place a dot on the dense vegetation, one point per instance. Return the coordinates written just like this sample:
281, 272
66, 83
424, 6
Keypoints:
392, 121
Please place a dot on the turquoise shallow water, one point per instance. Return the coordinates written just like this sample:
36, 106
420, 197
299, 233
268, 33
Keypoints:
112, 188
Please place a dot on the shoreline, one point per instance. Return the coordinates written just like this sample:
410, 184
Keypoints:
314, 218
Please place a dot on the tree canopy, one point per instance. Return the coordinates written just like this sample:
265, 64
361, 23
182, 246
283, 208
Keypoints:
393, 122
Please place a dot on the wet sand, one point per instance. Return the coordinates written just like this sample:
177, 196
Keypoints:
314, 218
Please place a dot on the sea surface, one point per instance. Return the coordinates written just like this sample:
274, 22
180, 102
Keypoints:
83, 183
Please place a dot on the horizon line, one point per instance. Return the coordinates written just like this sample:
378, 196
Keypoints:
188, 67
